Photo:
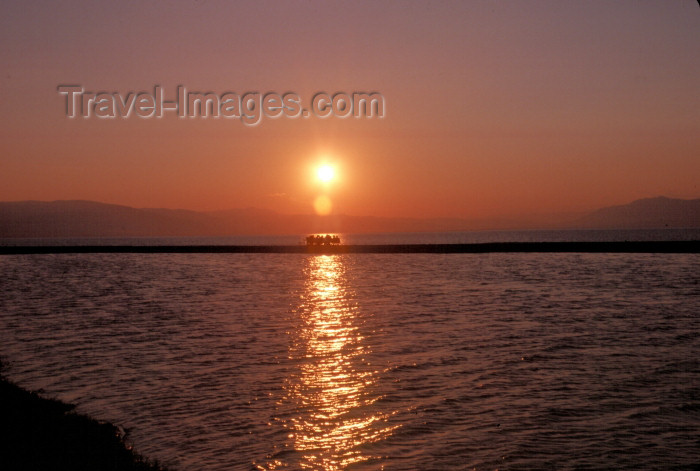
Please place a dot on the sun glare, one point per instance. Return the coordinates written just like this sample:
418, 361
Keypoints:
325, 173
323, 205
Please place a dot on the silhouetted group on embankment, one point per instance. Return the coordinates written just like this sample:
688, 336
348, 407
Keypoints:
322, 240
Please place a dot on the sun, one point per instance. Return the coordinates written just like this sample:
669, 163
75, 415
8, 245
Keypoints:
325, 173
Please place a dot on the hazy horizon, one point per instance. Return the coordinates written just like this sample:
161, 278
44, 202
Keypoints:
36, 219
310, 211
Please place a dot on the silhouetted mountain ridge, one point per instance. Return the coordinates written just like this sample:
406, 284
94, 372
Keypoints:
647, 213
79, 218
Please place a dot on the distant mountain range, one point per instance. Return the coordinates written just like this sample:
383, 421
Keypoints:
93, 219
648, 213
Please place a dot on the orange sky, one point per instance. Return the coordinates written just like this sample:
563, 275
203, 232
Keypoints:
493, 108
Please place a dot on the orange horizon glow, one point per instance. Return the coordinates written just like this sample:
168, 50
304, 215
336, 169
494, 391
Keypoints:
514, 110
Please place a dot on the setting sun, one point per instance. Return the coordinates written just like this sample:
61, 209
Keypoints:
326, 173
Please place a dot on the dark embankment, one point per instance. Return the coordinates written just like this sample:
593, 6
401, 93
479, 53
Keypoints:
43, 434
692, 246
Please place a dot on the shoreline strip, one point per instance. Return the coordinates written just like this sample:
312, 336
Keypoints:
47, 434
692, 246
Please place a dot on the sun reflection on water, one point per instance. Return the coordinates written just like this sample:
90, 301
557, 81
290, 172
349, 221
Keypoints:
327, 409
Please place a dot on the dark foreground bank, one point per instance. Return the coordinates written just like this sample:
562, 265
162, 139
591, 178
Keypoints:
691, 246
43, 434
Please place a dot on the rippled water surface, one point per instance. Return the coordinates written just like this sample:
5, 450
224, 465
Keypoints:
396, 362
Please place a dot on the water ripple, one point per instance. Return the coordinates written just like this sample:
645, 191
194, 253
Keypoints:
240, 361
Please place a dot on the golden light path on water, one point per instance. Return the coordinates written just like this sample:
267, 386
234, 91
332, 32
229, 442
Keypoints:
328, 408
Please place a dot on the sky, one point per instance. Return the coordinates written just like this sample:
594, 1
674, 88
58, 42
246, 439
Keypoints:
495, 108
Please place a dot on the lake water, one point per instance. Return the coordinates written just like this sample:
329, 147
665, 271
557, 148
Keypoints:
369, 361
